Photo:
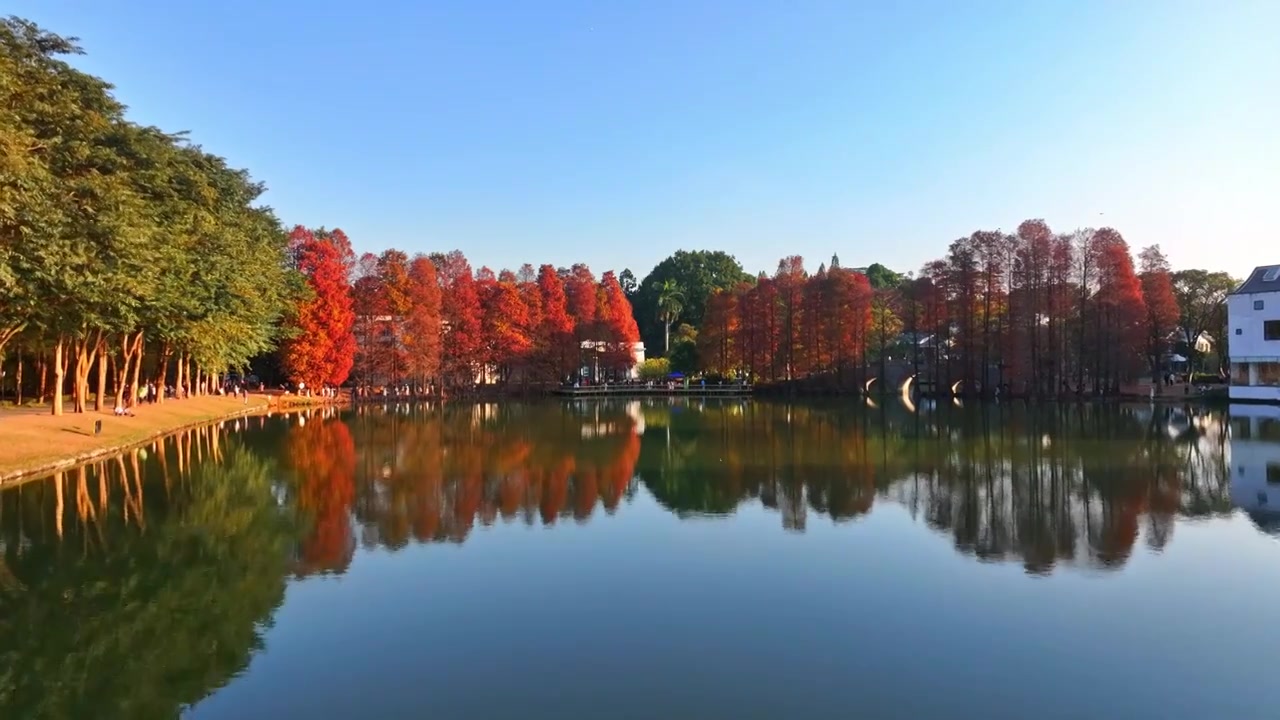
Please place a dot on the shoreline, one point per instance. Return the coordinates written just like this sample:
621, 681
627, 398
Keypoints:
36, 444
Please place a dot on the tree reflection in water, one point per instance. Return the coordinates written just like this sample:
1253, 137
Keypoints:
151, 575
136, 586
1071, 484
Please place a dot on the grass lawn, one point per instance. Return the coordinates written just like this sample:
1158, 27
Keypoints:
31, 438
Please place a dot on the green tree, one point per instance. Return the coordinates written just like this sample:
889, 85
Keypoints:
670, 305
1202, 307
684, 351
627, 280
882, 278
118, 241
697, 273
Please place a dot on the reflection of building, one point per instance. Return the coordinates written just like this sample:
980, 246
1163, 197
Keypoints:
1255, 464
1253, 319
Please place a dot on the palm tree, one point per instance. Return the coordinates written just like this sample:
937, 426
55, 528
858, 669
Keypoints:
670, 305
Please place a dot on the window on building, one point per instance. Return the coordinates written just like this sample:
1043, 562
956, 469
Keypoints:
1271, 274
1273, 473
1269, 429
1271, 330
1258, 305
1239, 331
1241, 428
1239, 373
1268, 374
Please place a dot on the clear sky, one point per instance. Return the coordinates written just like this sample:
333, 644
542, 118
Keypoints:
617, 132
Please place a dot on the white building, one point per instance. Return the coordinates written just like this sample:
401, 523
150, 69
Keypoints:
1253, 321
1255, 464
591, 351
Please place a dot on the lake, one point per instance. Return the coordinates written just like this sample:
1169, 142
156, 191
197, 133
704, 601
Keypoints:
657, 559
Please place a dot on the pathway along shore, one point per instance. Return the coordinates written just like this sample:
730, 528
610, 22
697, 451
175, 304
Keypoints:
34, 443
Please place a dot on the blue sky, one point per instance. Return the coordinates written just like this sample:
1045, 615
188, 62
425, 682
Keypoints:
617, 132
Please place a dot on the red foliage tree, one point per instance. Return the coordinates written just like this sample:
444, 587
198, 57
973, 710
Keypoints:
556, 348
505, 326
848, 313
367, 304
322, 349
617, 325
1119, 312
462, 346
790, 281
760, 329
422, 326
581, 291
393, 283
719, 348
1161, 305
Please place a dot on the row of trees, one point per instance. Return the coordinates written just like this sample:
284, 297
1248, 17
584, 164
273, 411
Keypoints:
1033, 311
790, 325
432, 321
129, 256
121, 243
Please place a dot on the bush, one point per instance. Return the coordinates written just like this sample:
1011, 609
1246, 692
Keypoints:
654, 369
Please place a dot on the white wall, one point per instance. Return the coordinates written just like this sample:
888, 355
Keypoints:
1255, 392
1241, 316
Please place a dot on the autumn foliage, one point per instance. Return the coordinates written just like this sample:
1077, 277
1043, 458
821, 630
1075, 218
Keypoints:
790, 325
434, 322
321, 350
1032, 312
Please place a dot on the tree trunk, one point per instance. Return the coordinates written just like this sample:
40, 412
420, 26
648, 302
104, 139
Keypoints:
102, 380
80, 374
138, 345
162, 372
42, 367
178, 376
59, 372
18, 394
121, 369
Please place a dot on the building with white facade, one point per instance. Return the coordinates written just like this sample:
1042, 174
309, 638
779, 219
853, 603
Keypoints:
592, 368
1253, 327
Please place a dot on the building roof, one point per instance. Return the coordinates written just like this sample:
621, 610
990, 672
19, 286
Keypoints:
1264, 278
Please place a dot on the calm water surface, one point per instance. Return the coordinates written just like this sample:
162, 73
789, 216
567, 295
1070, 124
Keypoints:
669, 560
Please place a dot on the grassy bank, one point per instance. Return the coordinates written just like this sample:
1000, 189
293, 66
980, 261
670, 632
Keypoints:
33, 442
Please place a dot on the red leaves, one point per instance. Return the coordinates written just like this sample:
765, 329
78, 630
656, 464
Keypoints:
556, 348
719, 347
528, 326
322, 349
1160, 301
463, 347
506, 328
617, 326
422, 331
790, 325
322, 455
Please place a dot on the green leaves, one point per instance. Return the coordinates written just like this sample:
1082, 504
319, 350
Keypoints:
108, 225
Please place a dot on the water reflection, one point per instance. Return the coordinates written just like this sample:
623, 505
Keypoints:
1255, 457
136, 586
153, 575
1075, 484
